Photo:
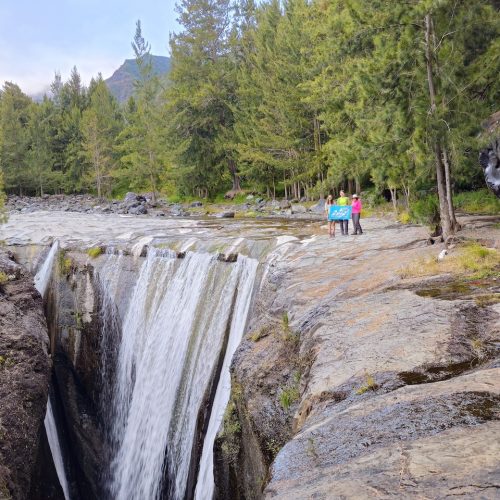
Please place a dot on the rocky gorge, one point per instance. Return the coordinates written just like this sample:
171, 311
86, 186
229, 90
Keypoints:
350, 377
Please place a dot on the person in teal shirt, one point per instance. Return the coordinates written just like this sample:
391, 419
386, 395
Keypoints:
344, 224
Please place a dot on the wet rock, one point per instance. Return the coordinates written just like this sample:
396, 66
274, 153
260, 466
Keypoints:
24, 380
195, 204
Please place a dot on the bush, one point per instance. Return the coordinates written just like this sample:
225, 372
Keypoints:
477, 202
425, 211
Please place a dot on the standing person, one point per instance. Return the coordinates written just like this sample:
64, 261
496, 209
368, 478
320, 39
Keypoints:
331, 223
356, 214
343, 201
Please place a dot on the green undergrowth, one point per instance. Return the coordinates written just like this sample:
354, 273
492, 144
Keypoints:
477, 202
231, 430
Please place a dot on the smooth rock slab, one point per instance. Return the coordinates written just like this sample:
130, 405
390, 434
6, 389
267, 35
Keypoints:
426, 441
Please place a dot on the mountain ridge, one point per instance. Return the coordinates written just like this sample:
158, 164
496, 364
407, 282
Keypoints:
121, 82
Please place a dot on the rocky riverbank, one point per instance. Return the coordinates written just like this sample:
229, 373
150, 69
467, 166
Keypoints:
24, 379
143, 205
355, 381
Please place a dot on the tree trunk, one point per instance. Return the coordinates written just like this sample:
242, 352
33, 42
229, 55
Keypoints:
358, 187
444, 201
234, 175
449, 192
394, 198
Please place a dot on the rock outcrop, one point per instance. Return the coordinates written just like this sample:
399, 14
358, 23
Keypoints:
24, 378
352, 382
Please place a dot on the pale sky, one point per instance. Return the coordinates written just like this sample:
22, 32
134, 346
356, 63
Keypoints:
39, 37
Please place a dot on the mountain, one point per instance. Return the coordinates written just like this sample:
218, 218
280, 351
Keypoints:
121, 83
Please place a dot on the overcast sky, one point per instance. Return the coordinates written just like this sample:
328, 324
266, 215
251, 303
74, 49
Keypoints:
39, 37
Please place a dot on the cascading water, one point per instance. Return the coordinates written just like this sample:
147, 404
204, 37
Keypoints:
55, 448
182, 317
42, 280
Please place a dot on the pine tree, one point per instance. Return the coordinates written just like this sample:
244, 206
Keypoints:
142, 142
200, 97
100, 126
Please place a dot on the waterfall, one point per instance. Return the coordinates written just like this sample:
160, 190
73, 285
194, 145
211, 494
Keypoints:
205, 485
44, 274
42, 280
55, 448
181, 315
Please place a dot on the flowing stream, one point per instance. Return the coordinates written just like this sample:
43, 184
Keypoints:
182, 323
42, 280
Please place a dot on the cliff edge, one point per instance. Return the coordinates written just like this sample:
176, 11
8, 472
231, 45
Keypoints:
24, 378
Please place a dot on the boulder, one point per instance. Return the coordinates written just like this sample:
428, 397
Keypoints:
195, 204
139, 210
284, 204
225, 215
298, 209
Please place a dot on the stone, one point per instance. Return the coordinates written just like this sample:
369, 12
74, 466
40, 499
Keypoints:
298, 209
284, 204
195, 204
226, 215
138, 210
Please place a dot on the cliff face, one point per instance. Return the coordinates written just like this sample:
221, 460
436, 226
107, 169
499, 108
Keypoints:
354, 382
24, 378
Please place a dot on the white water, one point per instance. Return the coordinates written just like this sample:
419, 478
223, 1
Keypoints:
205, 485
172, 334
43, 276
55, 448
42, 280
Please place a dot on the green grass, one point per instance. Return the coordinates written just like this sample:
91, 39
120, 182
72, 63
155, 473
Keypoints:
477, 202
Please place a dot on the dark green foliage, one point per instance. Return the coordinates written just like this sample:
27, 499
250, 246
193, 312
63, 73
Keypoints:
294, 97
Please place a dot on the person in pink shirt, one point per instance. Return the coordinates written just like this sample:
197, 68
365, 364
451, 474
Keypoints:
356, 214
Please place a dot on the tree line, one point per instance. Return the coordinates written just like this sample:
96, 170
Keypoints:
290, 98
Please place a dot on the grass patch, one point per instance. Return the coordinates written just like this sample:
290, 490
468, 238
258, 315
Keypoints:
94, 252
291, 393
3, 278
472, 261
262, 332
477, 202
288, 334
369, 385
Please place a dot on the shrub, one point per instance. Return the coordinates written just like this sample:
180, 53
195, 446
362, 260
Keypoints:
404, 217
477, 202
288, 396
425, 211
94, 252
